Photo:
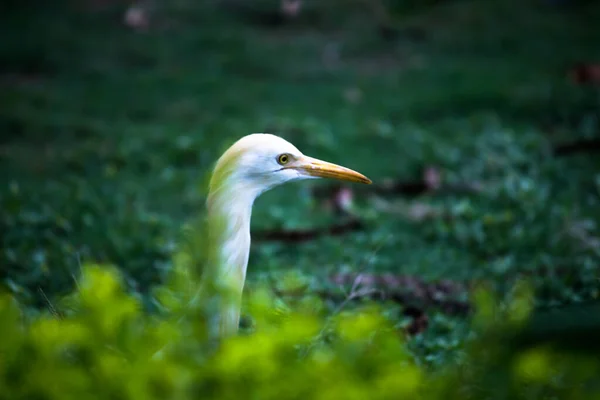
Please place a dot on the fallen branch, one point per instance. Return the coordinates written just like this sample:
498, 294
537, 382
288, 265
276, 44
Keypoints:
304, 235
447, 306
413, 291
406, 290
579, 146
430, 182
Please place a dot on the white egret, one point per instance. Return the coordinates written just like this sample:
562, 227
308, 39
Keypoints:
251, 166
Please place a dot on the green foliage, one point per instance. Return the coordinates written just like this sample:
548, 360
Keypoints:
107, 348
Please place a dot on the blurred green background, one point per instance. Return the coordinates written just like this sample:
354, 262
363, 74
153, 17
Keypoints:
112, 115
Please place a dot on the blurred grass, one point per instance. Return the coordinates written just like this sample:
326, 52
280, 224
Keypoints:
108, 135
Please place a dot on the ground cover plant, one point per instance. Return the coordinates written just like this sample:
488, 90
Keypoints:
478, 123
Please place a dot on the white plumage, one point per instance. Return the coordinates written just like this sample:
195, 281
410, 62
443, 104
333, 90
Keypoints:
251, 166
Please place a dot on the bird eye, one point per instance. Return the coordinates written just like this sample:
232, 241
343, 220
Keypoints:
283, 159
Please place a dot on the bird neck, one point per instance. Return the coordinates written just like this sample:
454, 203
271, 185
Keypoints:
229, 213
229, 209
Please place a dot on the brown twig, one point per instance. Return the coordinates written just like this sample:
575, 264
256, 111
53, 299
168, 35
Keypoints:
411, 290
309, 234
579, 146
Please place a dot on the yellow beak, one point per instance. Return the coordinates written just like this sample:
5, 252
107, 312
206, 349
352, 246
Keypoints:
323, 169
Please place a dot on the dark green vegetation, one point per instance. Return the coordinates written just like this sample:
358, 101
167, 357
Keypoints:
108, 134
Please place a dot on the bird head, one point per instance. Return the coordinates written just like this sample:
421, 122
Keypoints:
261, 161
